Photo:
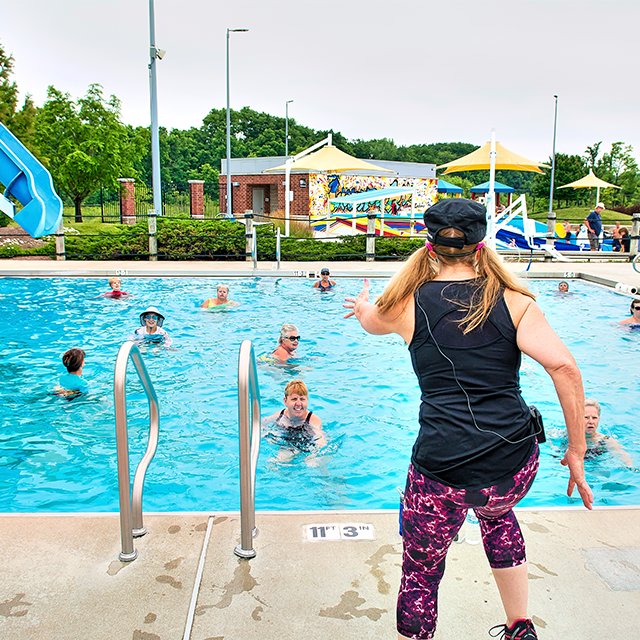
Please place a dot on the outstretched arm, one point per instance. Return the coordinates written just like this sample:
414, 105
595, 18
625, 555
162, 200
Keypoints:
539, 341
400, 321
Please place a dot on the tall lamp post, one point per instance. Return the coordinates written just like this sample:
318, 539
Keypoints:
286, 128
229, 203
551, 217
154, 54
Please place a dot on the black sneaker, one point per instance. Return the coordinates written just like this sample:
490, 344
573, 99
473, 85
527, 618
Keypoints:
521, 630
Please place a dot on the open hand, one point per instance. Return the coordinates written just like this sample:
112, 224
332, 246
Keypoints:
363, 296
576, 477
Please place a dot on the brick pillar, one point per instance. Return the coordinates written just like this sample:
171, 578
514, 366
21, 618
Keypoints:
196, 199
127, 201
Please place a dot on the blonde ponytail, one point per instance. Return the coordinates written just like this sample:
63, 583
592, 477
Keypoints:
418, 269
492, 279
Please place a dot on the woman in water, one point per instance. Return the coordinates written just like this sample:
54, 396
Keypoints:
467, 320
324, 284
301, 428
72, 383
634, 320
598, 443
151, 331
287, 344
116, 291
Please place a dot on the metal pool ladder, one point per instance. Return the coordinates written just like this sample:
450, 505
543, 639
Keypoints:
131, 509
248, 412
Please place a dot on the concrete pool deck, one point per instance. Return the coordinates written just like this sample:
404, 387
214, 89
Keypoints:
61, 577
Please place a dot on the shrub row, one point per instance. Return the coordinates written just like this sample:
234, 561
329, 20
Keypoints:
211, 240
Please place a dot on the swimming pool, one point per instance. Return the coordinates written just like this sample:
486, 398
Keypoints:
59, 456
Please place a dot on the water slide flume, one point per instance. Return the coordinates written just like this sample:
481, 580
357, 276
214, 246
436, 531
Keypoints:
28, 181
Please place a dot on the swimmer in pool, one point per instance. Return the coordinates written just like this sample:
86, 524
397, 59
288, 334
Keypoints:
563, 287
598, 443
72, 383
634, 320
116, 291
301, 427
324, 284
222, 299
287, 344
151, 331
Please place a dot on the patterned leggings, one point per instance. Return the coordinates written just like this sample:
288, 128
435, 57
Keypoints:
433, 514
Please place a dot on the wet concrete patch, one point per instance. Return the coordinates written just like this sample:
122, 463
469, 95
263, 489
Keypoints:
347, 609
619, 568
7, 607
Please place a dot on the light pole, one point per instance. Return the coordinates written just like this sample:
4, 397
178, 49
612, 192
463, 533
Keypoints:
229, 203
155, 54
551, 216
286, 128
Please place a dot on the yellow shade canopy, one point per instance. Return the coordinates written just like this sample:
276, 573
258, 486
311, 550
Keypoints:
330, 159
590, 180
505, 160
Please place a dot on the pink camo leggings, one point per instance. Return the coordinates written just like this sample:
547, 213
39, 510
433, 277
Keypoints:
433, 514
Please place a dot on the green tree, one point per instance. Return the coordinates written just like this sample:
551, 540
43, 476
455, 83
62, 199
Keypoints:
569, 168
617, 162
591, 155
85, 143
20, 121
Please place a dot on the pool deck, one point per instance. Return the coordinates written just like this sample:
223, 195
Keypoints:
61, 577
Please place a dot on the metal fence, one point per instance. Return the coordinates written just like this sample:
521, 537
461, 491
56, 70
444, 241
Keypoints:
104, 204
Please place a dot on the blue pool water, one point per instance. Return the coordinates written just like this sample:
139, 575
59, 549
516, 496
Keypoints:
58, 456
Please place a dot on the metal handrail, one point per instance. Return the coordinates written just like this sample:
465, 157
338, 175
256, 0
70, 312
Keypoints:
248, 406
131, 509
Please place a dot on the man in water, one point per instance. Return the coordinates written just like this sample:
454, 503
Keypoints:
222, 298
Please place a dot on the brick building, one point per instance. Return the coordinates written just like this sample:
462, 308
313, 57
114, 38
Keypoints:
264, 193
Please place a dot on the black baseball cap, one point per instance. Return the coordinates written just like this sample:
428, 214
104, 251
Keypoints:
467, 216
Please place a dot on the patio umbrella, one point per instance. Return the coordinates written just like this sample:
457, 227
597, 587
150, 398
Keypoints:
330, 159
492, 156
480, 159
590, 180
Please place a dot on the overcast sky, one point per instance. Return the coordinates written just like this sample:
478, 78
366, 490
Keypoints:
415, 71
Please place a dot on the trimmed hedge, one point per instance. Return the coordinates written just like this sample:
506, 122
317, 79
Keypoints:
218, 239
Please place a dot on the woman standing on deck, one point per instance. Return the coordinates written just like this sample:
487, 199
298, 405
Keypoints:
466, 321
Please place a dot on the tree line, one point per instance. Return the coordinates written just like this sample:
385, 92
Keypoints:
85, 144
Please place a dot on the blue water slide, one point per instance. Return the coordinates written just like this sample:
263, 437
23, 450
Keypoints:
26, 179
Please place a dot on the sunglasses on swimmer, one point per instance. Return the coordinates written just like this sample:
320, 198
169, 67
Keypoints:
292, 338
150, 316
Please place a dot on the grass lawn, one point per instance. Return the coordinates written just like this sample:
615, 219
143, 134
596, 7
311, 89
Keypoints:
576, 215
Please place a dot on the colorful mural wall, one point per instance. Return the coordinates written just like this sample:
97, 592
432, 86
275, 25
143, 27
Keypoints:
322, 187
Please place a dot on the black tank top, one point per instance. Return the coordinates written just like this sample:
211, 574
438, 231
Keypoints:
474, 424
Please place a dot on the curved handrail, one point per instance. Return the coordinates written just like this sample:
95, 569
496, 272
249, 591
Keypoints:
131, 510
248, 405
636, 263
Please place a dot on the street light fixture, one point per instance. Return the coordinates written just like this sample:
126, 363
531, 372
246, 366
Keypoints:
229, 202
286, 129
